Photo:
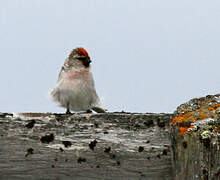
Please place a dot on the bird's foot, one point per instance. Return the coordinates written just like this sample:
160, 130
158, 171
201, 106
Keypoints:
89, 111
68, 112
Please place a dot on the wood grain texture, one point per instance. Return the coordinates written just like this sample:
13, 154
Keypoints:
196, 155
195, 139
129, 146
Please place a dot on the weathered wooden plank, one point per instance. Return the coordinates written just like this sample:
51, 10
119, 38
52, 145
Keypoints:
139, 146
195, 137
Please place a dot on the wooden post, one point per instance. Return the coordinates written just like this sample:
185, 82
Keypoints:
195, 139
85, 146
196, 153
114, 145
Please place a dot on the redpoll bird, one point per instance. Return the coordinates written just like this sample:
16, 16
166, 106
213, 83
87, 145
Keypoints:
75, 88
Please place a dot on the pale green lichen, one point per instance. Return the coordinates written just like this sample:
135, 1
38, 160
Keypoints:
217, 110
206, 134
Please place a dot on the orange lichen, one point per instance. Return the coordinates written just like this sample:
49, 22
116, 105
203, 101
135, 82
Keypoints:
190, 132
216, 128
216, 105
213, 107
183, 120
201, 102
182, 130
203, 116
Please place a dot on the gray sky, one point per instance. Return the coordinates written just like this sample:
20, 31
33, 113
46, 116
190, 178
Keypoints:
148, 56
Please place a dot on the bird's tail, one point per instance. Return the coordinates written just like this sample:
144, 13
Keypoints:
99, 109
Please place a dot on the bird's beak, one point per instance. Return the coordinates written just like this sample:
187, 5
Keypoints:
89, 60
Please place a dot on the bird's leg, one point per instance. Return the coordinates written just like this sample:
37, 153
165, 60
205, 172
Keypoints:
89, 111
68, 111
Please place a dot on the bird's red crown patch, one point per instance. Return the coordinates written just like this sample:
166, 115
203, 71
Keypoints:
82, 51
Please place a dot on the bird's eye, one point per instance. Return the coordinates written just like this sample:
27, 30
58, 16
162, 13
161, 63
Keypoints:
81, 58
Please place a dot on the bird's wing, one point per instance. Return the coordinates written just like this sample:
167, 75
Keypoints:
64, 68
61, 72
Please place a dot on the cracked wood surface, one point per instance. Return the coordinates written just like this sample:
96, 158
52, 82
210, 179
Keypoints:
98, 146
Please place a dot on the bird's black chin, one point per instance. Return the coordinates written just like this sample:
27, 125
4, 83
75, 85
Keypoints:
86, 62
